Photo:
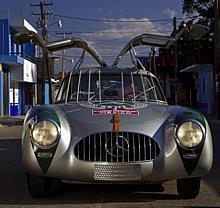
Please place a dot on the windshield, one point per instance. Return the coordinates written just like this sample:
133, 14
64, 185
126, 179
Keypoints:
98, 87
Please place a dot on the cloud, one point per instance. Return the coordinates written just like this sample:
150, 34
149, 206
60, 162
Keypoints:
104, 12
113, 36
127, 28
121, 11
100, 9
170, 13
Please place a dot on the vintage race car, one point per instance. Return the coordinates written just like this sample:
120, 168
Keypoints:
113, 125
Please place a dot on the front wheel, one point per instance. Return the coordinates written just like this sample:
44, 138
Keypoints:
39, 186
188, 188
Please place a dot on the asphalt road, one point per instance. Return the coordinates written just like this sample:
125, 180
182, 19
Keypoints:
13, 190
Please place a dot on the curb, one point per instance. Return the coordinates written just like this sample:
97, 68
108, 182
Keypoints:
2, 126
215, 122
10, 121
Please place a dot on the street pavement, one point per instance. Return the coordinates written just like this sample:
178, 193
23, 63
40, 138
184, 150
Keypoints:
13, 188
11, 127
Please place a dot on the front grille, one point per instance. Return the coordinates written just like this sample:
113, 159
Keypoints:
117, 172
124, 147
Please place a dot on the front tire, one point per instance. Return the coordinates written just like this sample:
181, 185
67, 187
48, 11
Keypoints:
39, 186
188, 188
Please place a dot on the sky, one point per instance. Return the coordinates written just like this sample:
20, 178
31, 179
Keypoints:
124, 19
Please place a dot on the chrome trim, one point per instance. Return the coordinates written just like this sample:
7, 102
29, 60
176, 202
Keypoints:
132, 81
110, 147
89, 85
100, 91
68, 87
79, 80
131, 172
142, 81
49, 146
177, 139
122, 87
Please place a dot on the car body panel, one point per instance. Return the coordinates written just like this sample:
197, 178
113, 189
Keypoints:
156, 120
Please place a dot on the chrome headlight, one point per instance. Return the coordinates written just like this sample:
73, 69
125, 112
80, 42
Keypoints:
45, 133
189, 134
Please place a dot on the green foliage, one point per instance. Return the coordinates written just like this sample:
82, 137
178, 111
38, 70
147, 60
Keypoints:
204, 8
197, 51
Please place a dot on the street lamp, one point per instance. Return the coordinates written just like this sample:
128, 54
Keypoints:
59, 22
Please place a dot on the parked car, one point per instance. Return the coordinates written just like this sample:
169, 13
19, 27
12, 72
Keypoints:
113, 125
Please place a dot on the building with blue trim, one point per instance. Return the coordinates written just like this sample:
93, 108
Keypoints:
203, 79
18, 71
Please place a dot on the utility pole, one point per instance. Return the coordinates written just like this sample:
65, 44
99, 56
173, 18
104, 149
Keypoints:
42, 23
150, 67
63, 54
153, 49
175, 49
216, 70
175, 59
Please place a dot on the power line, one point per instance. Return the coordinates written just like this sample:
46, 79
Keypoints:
121, 21
109, 32
111, 20
42, 23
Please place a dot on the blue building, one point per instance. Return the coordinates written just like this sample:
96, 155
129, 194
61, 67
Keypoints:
202, 74
18, 71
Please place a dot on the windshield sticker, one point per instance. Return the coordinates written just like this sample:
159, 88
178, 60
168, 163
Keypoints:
119, 111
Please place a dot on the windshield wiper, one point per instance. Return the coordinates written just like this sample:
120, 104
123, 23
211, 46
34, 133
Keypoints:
81, 92
113, 84
144, 92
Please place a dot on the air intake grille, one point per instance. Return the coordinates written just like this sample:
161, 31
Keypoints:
124, 147
117, 172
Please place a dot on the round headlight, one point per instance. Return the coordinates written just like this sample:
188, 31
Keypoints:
189, 134
45, 133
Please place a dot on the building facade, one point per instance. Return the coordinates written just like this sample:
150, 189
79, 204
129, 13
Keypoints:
201, 95
18, 74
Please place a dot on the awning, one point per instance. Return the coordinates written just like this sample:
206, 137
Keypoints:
11, 60
196, 67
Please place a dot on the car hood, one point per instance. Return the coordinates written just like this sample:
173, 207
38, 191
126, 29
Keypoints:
149, 113
83, 121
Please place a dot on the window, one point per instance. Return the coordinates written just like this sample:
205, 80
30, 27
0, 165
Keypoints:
95, 87
203, 86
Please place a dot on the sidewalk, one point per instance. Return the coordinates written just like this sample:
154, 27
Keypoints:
213, 122
11, 132
11, 121
11, 127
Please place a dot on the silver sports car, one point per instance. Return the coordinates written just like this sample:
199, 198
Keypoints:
113, 125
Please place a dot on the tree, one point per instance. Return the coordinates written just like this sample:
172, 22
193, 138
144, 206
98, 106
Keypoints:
197, 51
204, 8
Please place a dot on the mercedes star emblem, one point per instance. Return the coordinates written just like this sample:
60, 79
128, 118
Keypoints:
117, 146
